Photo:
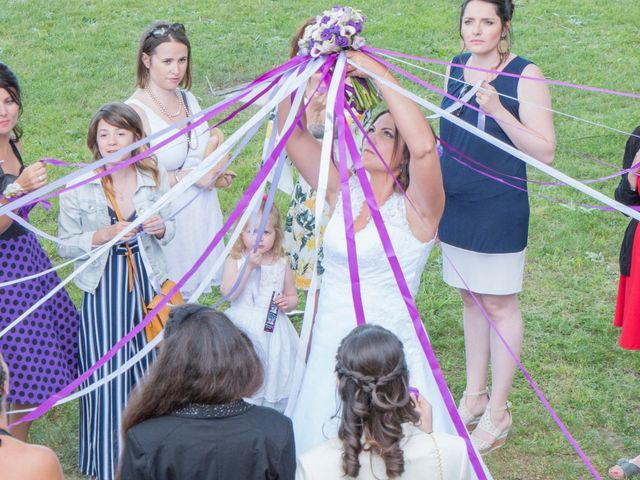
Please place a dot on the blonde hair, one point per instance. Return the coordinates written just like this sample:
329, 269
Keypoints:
275, 219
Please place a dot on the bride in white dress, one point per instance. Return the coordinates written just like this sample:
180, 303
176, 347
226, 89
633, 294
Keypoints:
404, 138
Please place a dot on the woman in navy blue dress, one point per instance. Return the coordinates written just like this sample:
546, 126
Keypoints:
485, 223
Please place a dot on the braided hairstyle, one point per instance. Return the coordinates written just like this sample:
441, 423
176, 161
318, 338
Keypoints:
373, 384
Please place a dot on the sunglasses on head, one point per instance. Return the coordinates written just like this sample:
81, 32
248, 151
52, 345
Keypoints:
164, 30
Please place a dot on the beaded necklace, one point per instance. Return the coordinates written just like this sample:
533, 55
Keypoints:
181, 108
181, 105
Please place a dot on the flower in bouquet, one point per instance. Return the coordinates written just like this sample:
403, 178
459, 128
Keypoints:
334, 31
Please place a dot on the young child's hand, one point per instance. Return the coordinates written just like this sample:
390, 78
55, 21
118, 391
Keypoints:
283, 302
255, 259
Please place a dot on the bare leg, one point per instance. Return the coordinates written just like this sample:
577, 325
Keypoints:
616, 471
504, 310
477, 348
21, 432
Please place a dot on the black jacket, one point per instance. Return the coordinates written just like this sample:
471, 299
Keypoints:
625, 195
206, 443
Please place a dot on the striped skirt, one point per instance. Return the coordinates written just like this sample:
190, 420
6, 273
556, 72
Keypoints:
108, 314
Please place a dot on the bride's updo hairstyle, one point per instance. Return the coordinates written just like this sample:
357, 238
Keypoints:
504, 10
373, 384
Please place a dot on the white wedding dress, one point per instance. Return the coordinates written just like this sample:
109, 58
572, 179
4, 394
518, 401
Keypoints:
317, 401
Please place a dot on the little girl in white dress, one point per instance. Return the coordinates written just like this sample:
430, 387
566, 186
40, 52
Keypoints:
264, 292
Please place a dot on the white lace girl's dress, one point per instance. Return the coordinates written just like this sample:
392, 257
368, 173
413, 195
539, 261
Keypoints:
383, 305
276, 349
200, 220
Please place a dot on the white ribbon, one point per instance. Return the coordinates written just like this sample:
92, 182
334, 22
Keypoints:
178, 189
290, 85
321, 194
528, 159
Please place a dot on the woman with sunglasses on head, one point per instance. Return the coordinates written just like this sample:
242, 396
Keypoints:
484, 227
42, 349
162, 98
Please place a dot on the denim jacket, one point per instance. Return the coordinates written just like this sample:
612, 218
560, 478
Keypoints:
84, 210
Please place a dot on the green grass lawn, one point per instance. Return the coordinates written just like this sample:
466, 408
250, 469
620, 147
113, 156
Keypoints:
74, 56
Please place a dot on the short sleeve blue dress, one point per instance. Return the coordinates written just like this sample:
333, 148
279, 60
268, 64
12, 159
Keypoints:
485, 223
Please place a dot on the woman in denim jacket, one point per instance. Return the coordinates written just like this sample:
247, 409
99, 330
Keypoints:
118, 284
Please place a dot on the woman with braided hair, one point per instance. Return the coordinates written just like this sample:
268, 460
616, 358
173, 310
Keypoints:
385, 431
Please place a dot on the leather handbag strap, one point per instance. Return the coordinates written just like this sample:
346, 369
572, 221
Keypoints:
132, 272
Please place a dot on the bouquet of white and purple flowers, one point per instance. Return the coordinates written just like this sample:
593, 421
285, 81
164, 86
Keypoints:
336, 30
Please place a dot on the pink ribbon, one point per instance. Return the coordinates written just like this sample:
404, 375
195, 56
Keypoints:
36, 195
346, 204
527, 376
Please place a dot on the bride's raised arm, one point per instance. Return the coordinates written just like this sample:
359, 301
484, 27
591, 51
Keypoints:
304, 152
425, 179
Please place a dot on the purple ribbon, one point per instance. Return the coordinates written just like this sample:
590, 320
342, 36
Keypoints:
528, 377
33, 197
506, 74
347, 212
240, 207
419, 81
449, 147
345, 136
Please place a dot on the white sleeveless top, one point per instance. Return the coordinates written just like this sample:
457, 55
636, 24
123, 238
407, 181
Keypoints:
197, 212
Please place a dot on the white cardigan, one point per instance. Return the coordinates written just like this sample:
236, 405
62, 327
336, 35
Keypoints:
421, 459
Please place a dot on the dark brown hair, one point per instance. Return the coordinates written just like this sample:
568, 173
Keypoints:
9, 82
204, 359
122, 116
631, 149
401, 149
504, 10
298, 35
373, 384
149, 43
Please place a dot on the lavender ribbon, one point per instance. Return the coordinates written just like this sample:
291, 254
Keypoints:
506, 74
346, 205
242, 204
346, 137
527, 376
40, 194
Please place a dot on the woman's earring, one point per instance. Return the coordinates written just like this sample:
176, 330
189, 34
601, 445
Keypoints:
503, 45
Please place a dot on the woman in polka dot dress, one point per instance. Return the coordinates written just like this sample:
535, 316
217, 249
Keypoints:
40, 350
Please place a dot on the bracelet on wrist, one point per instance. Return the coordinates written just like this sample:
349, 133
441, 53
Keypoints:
175, 175
13, 190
